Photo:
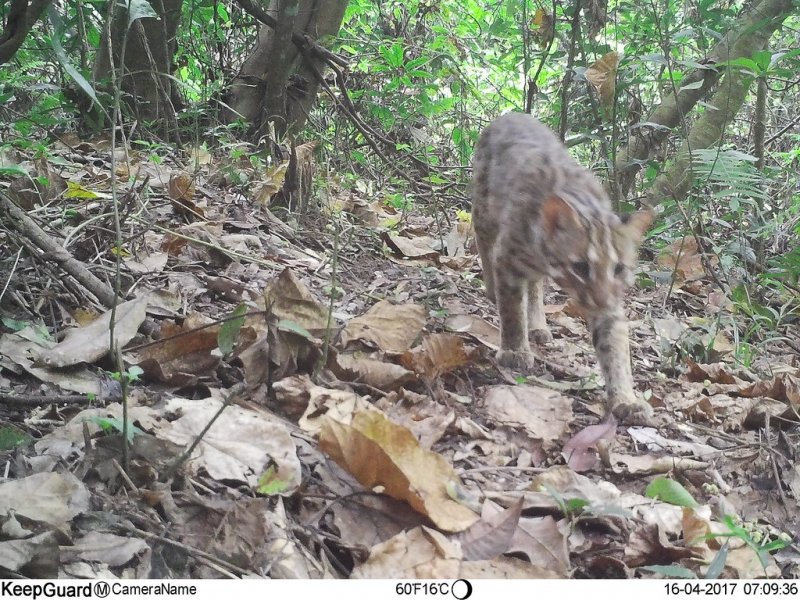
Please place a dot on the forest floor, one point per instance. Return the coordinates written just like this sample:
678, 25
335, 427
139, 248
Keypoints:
360, 426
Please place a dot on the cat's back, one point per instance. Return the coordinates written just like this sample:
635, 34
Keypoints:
518, 132
518, 162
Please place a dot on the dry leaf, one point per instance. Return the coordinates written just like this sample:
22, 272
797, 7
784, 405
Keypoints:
602, 75
544, 414
390, 327
87, 344
439, 353
491, 535
380, 453
240, 445
580, 449
289, 299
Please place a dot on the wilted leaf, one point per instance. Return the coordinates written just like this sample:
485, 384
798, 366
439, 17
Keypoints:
390, 327
53, 498
379, 453
377, 373
438, 354
602, 75
240, 445
287, 298
580, 449
491, 535
87, 344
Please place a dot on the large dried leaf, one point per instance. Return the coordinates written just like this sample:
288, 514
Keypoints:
684, 258
112, 550
240, 445
427, 554
602, 75
438, 354
53, 498
544, 414
380, 453
491, 535
87, 344
288, 299
390, 327
377, 373
580, 449
183, 355
485, 333
17, 349
37, 556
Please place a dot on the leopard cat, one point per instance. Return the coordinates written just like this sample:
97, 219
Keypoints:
537, 213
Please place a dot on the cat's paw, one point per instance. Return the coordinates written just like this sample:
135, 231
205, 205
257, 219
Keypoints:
632, 411
515, 359
541, 336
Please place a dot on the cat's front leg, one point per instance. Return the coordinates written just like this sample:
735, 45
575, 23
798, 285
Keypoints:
512, 299
537, 323
610, 338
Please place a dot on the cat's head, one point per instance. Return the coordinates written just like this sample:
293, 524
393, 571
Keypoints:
593, 254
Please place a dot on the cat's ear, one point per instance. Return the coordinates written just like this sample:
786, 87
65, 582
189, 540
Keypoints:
636, 224
557, 215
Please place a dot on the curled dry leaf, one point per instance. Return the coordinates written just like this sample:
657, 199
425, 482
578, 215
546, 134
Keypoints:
426, 553
51, 498
380, 453
377, 373
184, 352
684, 258
485, 333
17, 349
87, 344
580, 450
602, 75
417, 248
318, 402
390, 327
288, 299
491, 535
438, 354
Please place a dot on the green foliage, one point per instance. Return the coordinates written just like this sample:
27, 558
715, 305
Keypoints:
109, 424
229, 330
670, 491
11, 437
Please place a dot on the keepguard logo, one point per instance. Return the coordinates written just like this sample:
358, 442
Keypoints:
50, 589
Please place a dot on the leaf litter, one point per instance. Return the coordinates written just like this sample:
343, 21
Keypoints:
353, 423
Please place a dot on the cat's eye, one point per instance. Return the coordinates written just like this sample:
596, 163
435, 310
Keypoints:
619, 269
581, 269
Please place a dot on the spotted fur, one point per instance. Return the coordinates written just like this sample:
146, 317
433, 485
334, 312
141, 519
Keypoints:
537, 213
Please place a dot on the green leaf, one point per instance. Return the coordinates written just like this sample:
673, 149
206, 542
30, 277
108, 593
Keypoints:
55, 19
76, 190
140, 9
114, 424
11, 437
229, 330
270, 484
672, 571
291, 326
14, 171
671, 492
716, 566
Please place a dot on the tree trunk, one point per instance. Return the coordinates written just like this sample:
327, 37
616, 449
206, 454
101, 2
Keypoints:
149, 50
750, 33
276, 85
